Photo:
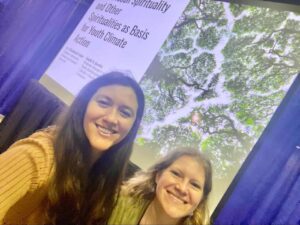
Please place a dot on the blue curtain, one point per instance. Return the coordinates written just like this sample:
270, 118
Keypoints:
31, 34
267, 188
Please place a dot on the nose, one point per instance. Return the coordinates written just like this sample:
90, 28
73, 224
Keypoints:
112, 117
182, 187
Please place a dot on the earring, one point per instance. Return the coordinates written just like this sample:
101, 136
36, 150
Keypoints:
153, 187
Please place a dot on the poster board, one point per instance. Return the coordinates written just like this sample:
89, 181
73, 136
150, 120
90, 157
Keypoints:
114, 35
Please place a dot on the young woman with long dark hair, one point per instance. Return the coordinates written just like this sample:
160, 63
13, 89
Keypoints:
70, 173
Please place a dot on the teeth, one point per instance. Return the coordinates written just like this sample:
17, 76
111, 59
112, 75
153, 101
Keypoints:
175, 198
105, 131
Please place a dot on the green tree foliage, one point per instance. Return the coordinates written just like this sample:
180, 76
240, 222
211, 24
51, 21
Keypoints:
209, 38
218, 79
175, 136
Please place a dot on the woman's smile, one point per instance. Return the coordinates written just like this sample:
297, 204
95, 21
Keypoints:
108, 132
176, 198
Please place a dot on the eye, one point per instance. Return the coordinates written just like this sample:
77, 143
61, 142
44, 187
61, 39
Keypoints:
196, 185
103, 102
175, 173
126, 112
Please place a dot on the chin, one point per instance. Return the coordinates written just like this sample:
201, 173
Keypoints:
175, 214
97, 148
102, 147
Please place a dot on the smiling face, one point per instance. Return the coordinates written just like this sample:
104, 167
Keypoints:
179, 187
109, 117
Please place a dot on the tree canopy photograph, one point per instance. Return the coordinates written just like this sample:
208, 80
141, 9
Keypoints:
218, 79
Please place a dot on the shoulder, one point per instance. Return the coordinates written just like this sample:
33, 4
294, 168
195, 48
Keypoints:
34, 153
128, 209
41, 140
25, 168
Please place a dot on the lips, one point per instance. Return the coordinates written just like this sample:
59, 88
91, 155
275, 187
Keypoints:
176, 198
104, 131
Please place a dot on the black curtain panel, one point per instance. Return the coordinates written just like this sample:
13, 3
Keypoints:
36, 108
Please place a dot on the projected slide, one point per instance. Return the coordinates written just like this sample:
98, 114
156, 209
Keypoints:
217, 81
214, 84
114, 34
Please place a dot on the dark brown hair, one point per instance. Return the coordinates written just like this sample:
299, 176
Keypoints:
79, 194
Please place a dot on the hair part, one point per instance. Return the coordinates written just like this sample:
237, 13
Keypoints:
77, 193
143, 185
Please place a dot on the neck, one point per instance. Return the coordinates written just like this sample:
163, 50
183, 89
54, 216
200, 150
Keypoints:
93, 158
155, 214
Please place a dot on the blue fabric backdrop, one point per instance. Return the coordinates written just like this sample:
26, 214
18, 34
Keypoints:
31, 34
267, 188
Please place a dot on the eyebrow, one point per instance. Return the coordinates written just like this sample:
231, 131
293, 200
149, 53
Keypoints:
99, 95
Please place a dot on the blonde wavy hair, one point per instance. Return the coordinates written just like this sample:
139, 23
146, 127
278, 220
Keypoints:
142, 184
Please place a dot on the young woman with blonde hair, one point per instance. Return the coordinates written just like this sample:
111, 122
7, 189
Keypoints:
173, 191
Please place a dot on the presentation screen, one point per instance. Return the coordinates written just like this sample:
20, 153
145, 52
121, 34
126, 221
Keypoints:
213, 73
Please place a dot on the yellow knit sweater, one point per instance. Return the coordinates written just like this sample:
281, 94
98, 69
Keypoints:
25, 170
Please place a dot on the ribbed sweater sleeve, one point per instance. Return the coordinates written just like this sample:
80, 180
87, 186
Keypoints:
24, 167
